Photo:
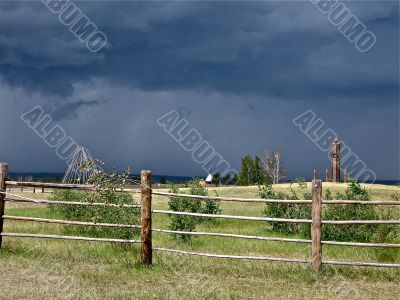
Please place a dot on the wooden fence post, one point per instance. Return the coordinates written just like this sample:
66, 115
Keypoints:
146, 249
316, 227
3, 188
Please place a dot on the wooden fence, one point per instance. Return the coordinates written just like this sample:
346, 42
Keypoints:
146, 191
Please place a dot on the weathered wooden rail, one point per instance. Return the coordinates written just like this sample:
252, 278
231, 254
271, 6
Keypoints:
146, 191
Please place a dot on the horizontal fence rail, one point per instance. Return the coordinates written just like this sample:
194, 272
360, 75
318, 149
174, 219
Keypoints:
361, 202
376, 245
67, 237
316, 222
229, 235
181, 213
56, 202
50, 185
83, 187
360, 264
199, 197
360, 222
292, 260
66, 222
92, 224
282, 201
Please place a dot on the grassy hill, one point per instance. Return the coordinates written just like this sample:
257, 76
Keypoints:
50, 269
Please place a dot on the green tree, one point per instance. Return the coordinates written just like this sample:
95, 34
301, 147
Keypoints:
257, 174
245, 173
216, 179
251, 171
163, 180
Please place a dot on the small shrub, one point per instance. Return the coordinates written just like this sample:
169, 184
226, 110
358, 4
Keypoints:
301, 181
386, 233
360, 233
328, 195
304, 212
106, 184
354, 191
211, 207
188, 223
286, 210
275, 210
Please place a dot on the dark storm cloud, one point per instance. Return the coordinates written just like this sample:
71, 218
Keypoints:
241, 71
249, 48
70, 110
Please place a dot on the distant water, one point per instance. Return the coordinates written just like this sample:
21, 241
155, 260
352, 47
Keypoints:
38, 175
46, 176
387, 182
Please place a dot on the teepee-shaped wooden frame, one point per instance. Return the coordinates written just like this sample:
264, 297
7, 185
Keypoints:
74, 174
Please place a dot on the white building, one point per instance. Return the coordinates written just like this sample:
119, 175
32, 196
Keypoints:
209, 179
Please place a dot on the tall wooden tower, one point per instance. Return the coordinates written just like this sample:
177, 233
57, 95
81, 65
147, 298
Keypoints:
336, 161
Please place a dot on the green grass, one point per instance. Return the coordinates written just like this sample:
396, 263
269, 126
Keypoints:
59, 269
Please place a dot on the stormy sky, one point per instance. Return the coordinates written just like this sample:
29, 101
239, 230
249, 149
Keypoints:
239, 72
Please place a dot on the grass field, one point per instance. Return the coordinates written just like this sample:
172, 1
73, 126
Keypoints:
48, 269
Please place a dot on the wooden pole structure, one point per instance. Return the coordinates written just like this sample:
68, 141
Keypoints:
326, 175
345, 175
314, 175
316, 227
3, 188
42, 190
336, 161
146, 248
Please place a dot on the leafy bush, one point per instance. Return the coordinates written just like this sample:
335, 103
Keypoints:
301, 181
275, 210
286, 210
354, 191
387, 234
188, 223
360, 233
328, 195
303, 211
106, 185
